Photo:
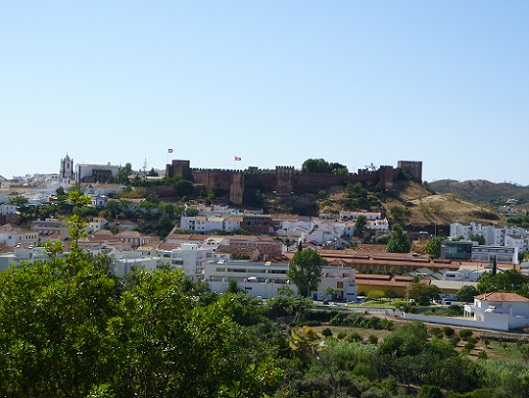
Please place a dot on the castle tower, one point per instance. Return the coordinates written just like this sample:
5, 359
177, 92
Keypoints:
284, 180
67, 168
413, 168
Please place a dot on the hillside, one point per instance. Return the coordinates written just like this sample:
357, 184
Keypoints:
410, 204
420, 209
482, 191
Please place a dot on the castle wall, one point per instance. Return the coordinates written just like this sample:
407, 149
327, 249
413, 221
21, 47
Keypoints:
313, 182
285, 177
263, 181
179, 167
284, 180
214, 179
414, 168
237, 188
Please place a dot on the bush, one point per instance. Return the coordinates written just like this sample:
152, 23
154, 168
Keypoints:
449, 332
472, 340
372, 339
437, 332
469, 346
465, 334
354, 337
326, 332
341, 335
430, 392
454, 340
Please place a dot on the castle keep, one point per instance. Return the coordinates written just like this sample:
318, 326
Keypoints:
285, 180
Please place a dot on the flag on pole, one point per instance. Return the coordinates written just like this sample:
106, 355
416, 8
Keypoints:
238, 159
170, 150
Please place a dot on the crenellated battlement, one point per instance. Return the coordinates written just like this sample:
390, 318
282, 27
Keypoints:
284, 180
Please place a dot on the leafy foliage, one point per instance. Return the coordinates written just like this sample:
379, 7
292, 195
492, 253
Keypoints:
506, 281
466, 294
305, 271
399, 242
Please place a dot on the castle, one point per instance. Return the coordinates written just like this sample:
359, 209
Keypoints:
285, 180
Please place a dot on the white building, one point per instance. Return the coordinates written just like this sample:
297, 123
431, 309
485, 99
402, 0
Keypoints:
21, 255
99, 201
12, 236
49, 226
97, 224
499, 310
7, 208
190, 258
502, 254
494, 236
265, 279
519, 241
353, 215
121, 265
231, 223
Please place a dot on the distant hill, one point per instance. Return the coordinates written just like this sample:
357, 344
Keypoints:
410, 204
482, 191
419, 208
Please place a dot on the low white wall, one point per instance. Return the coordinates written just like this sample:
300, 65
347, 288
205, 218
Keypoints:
496, 322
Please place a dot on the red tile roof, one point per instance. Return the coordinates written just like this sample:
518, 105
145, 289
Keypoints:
502, 297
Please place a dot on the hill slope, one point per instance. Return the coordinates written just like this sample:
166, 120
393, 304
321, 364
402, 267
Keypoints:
482, 191
418, 208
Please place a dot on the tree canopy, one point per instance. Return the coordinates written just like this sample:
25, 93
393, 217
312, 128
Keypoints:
506, 281
433, 247
399, 241
466, 294
322, 166
305, 271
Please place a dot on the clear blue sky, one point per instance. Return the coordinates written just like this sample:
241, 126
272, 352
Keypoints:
274, 82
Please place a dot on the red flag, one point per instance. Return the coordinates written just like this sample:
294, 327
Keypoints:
170, 150
238, 159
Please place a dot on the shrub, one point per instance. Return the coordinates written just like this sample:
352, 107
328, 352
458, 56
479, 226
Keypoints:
437, 332
354, 337
430, 392
449, 332
472, 340
470, 346
454, 340
372, 339
465, 334
341, 335
482, 356
326, 332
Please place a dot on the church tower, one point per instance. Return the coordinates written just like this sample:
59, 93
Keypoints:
67, 168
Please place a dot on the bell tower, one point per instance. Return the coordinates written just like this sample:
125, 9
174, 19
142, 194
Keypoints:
67, 168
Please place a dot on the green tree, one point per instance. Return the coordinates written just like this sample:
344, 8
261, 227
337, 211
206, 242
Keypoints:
399, 242
506, 281
316, 166
61, 194
20, 201
477, 238
233, 287
423, 294
360, 224
433, 247
466, 294
122, 176
184, 187
305, 271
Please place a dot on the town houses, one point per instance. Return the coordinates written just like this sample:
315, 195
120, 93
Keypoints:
219, 243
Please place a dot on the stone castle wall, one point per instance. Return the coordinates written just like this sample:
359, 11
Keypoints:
285, 180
